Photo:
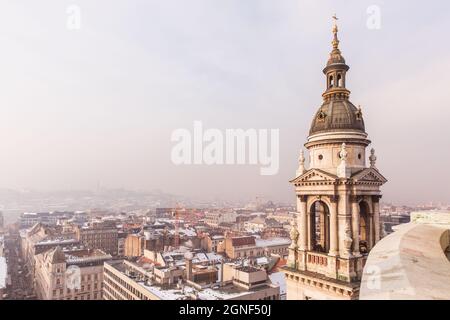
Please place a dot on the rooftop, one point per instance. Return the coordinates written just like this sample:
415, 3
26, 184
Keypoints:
273, 242
187, 292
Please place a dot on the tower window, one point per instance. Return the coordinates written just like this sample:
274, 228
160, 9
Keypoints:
330, 83
339, 80
359, 156
320, 157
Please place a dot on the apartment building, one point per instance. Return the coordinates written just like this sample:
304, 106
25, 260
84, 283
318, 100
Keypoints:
99, 236
75, 274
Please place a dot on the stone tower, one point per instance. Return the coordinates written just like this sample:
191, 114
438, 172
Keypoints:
337, 196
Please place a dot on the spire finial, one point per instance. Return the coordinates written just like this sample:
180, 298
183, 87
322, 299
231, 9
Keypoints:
335, 32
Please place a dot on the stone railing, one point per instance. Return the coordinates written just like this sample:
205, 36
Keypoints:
317, 262
411, 263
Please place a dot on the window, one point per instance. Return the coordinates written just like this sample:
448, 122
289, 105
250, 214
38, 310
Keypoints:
339, 80
320, 157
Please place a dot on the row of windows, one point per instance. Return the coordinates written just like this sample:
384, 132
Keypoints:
123, 285
260, 253
99, 236
83, 288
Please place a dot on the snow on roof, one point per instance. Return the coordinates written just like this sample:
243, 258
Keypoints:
189, 232
279, 279
173, 294
214, 257
272, 242
218, 294
262, 260
205, 294
3, 272
56, 241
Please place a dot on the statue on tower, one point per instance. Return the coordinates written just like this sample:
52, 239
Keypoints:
343, 154
301, 164
293, 235
372, 158
292, 258
342, 170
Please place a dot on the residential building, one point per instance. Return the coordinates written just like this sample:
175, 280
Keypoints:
75, 274
101, 236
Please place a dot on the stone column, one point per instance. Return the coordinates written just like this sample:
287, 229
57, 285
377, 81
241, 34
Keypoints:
371, 232
334, 246
344, 224
355, 225
302, 223
376, 217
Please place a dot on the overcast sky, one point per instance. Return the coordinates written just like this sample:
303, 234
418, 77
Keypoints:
99, 104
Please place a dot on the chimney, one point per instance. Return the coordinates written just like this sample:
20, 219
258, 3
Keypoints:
188, 256
221, 273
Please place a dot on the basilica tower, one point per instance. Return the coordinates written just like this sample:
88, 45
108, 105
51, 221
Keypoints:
337, 196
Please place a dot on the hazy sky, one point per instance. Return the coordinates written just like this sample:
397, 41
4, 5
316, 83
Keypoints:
99, 104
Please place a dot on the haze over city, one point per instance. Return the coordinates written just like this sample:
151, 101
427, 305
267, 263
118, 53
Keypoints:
97, 106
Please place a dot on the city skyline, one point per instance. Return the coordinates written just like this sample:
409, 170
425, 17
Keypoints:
102, 101
230, 152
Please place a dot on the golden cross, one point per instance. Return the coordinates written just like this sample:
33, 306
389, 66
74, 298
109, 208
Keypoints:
335, 28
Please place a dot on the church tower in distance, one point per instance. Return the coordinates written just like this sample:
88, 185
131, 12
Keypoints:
338, 213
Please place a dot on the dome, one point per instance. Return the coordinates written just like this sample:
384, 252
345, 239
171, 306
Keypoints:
335, 58
337, 115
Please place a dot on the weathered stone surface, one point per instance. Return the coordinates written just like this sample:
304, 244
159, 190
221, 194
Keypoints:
411, 263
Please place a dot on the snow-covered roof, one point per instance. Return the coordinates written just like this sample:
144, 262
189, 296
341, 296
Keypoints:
57, 241
205, 294
279, 279
272, 242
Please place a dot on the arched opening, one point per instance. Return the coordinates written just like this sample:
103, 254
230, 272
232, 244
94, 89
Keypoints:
330, 82
364, 227
339, 80
320, 227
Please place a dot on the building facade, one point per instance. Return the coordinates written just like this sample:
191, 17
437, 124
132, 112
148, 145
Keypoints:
248, 246
103, 237
70, 275
337, 197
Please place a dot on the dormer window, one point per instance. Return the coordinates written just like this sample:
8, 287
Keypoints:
321, 116
358, 114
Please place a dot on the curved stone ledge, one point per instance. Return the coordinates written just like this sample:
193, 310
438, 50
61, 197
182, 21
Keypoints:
409, 264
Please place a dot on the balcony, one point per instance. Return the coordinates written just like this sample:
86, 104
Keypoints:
317, 262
